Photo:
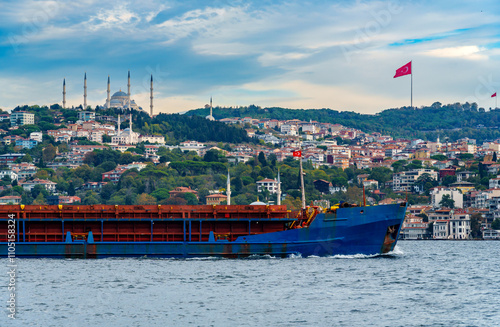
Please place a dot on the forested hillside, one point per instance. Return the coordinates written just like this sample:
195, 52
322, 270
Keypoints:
453, 120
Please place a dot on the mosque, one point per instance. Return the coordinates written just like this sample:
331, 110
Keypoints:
119, 100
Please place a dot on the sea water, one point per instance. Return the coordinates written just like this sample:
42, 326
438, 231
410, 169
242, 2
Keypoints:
422, 283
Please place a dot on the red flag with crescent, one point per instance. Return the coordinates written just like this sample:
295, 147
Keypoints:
297, 153
404, 70
494, 95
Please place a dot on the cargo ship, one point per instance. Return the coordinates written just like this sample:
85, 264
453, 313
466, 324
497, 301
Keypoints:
232, 231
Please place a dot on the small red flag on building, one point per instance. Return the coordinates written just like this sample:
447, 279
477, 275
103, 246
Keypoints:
404, 70
297, 153
494, 95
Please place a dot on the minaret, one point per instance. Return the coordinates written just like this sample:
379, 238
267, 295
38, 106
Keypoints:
278, 191
118, 133
64, 93
130, 124
85, 92
228, 189
211, 107
108, 100
151, 97
128, 86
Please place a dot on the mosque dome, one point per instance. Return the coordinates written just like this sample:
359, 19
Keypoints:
119, 94
210, 117
258, 203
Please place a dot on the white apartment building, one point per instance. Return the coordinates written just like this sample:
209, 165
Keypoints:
289, 129
404, 180
37, 136
18, 118
437, 194
270, 184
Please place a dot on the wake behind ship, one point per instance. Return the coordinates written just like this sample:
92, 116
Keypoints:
98, 231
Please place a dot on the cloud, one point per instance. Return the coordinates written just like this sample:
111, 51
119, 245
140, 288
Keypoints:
471, 52
297, 54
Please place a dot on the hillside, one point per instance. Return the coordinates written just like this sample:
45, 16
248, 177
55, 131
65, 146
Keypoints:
453, 120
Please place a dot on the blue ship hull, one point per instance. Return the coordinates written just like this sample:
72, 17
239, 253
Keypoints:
355, 230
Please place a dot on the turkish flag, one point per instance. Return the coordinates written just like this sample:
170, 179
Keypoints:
494, 95
297, 153
405, 70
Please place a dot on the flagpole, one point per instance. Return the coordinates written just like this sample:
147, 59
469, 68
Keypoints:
411, 85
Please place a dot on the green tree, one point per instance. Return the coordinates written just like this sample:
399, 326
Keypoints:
262, 159
91, 198
447, 202
439, 157
475, 226
145, 199
161, 194
211, 156
448, 180
190, 198
49, 153
27, 158
430, 229
398, 165
495, 224
40, 199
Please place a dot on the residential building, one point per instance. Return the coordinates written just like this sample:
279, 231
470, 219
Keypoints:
10, 199
24, 170
11, 174
438, 192
26, 143
86, 115
370, 184
9, 158
181, 190
18, 118
404, 181
463, 175
153, 139
29, 185
451, 224
414, 228
37, 136
270, 184
215, 199
323, 186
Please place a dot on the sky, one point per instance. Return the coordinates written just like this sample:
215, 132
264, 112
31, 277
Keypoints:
293, 54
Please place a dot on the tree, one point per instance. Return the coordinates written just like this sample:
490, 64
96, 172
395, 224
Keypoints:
161, 194
26, 158
190, 198
49, 153
425, 218
448, 179
145, 199
447, 201
262, 159
495, 224
211, 156
90, 198
475, 226
439, 157
40, 199
430, 229
494, 157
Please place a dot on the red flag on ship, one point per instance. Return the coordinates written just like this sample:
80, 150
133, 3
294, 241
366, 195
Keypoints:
494, 95
297, 153
404, 70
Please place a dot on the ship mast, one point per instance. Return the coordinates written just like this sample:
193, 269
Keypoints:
302, 177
